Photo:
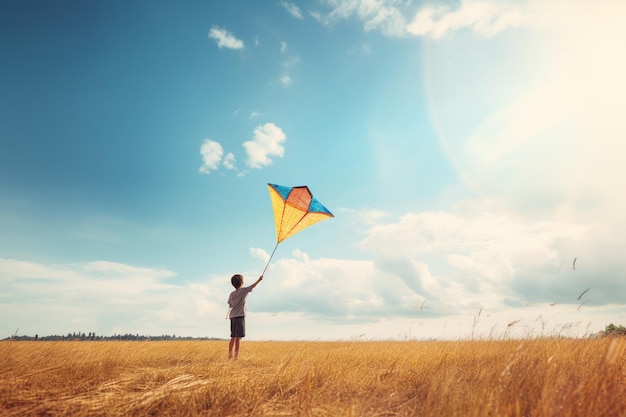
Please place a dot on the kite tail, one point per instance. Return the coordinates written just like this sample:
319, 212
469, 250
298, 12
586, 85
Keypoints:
268, 261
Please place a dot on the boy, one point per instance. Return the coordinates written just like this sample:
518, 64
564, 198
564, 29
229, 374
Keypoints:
237, 304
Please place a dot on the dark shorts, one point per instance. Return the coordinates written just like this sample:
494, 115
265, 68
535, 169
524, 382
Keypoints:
237, 327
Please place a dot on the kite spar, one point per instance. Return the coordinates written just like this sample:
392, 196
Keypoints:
295, 209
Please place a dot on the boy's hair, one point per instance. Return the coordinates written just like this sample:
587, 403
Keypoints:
236, 280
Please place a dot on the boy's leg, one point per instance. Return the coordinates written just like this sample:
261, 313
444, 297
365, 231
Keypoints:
230, 347
237, 342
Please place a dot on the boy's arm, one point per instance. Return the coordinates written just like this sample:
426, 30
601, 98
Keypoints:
257, 282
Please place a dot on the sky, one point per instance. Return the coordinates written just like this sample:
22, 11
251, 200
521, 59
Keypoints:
471, 152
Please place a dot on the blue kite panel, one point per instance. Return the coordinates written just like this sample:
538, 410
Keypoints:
317, 207
282, 190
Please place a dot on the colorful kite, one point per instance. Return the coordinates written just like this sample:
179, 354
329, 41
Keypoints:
295, 209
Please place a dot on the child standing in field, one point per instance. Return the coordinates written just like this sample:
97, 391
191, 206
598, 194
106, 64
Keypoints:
237, 304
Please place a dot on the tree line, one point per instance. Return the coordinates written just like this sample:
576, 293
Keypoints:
609, 330
94, 336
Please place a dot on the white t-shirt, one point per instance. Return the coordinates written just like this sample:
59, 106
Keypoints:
237, 302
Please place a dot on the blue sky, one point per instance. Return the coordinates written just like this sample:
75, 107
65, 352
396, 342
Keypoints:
470, 151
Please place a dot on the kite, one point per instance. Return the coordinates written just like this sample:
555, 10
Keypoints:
295, 209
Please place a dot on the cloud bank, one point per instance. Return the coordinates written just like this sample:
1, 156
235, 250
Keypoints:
101, 296
426, 275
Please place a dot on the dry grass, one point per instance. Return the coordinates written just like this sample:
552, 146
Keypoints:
183, 378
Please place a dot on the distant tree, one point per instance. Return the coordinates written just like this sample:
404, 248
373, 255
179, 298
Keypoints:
613, 330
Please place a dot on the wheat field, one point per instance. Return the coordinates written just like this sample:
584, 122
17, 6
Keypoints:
558, 377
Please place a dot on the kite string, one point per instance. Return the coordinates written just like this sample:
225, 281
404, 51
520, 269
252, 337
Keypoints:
268, 261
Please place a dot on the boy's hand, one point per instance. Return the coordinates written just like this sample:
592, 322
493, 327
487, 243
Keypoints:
257, 281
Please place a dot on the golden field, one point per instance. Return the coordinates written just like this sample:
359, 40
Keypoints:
557, 377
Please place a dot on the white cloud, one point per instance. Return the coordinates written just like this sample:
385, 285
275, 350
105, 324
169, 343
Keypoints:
316, 15
392, 17
283, 47
488, 252
259, 254
300, 255
211, 152
229, 161
375, 14
482, 17
285, 80
266, 143
437, 289
124, 271
292, 9
102, 296
225, 39
321, 288
474, 226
